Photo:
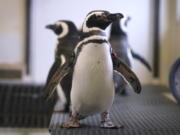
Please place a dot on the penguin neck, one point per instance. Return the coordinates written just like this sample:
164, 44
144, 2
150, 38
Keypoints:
73, 31
71, 34
116, 29
93, 33
92, 36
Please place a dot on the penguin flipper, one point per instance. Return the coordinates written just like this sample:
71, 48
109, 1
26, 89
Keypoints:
141, 59
55, 78
127, 73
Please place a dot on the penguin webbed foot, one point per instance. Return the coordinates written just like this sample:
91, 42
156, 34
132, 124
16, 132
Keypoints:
106, 121
110, 124
70, 124
73, 123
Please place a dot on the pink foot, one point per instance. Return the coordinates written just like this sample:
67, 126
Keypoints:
73, 123
106, 121
70, 124
110, 124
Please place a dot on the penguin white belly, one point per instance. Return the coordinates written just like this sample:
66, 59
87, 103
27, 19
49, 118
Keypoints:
93, 87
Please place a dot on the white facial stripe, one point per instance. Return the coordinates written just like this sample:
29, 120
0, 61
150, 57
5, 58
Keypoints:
85, 28
63, 59
94, 37
65, 29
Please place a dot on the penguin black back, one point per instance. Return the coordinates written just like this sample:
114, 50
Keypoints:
67, 38
119, 42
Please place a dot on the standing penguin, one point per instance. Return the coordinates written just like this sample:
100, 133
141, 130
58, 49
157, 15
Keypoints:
92, 84
68, 36
119, 42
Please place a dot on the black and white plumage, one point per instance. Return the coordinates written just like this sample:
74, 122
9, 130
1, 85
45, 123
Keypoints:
92, 84
68, 36
119, 42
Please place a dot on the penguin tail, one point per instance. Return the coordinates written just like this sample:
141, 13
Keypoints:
141, 59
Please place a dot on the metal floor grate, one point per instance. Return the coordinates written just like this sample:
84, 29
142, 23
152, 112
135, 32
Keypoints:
21, 105
149, 113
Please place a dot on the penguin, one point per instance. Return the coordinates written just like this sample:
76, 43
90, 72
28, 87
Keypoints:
119, 42
68, 36
93, 64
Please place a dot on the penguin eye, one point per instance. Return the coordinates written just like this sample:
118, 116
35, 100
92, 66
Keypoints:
98, 16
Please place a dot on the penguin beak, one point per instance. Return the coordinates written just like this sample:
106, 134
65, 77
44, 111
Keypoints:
50, 26
115, 16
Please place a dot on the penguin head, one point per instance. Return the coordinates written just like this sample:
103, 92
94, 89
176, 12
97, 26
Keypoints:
62, 28
99, 20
